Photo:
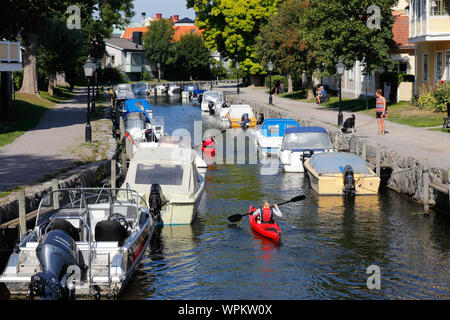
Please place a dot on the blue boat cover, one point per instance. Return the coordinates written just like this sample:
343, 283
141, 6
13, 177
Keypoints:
306, 129
190, 88
133, 105
334, 162
276, 127
198, 91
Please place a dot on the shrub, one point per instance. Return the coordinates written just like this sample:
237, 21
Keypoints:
112, 74
435, 99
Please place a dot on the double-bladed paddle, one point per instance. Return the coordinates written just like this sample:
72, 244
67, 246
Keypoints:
238, 216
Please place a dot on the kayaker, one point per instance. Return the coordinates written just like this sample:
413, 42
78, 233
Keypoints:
208, 143
268, 213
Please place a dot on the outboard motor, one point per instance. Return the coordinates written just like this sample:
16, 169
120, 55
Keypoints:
211, 108
150, 136
307, 154
245, 121
261, 118
349, 181
156, 201
224, 105
55, 252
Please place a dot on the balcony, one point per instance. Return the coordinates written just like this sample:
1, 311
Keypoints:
10, 56
429, 20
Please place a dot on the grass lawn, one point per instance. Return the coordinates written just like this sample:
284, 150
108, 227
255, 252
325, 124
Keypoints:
28, 110
402, 112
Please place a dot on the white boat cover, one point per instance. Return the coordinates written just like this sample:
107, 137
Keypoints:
334, 162
306, 141
237, 110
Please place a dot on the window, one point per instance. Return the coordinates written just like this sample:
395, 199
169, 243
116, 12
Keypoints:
425, 67
350, 74
403, 67
447, 65
135, 59
439, 7
161, 174
439, 65
113, 60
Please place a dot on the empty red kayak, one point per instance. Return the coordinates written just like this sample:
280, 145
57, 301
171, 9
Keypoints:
267, 230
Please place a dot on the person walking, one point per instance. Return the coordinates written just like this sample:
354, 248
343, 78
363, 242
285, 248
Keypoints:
380, 110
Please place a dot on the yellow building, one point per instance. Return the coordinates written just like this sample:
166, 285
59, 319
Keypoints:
429, 29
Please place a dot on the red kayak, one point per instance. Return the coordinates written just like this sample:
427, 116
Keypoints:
208, 148
267, 230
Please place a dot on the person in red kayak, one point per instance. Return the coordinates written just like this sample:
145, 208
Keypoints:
208, 145
267, 213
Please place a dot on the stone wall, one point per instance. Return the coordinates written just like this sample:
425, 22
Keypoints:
400, 173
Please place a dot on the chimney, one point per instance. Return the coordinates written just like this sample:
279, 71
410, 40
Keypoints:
176, 18
158, 15
143, 17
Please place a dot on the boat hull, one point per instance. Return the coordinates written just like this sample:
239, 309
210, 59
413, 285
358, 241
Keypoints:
333, 184
267, 230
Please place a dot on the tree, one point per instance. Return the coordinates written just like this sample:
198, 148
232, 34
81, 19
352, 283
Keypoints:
231, 27
159, 42
344, 30
192, 57
283, 42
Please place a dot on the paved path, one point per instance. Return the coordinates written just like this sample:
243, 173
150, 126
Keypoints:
44, 149
419, 143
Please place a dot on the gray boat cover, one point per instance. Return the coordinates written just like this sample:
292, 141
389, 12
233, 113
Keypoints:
334, 162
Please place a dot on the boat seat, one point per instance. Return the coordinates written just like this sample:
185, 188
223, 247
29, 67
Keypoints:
110, 231
67, 227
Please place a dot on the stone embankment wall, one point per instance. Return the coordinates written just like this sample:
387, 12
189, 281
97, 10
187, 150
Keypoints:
398, 172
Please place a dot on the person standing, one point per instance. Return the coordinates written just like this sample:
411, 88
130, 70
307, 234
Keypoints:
380, 110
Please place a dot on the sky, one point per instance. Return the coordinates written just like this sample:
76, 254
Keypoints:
166, 7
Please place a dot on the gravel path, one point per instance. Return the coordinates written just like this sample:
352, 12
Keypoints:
45, 149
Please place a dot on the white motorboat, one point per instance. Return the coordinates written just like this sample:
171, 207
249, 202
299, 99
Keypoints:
86, 242
139, 88
269, 135
168, 177
212, 102
161, 90
174, 90
239, 115
299, 144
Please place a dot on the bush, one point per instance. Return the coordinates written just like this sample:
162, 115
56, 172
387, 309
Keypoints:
436, 99
146, 76
112, 74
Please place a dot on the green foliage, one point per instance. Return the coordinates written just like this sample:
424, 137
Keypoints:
112, 74
339, 30
435, 99
232, 26
275, 78
191, 58
159, 43
18, 78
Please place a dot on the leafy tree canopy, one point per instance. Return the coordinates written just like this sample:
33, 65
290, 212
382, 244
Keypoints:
159, 42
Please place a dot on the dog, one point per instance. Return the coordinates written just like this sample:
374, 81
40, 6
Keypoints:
349, 123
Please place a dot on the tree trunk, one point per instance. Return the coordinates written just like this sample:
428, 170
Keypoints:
30, 70
6, 104
51, 85
310, 87
290, 87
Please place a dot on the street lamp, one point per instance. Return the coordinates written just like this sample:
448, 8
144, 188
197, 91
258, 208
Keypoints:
159, 71
270, 68
340, 71
89, 68
237, 69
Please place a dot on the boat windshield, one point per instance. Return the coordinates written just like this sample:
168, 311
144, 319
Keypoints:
307, 140
149, 174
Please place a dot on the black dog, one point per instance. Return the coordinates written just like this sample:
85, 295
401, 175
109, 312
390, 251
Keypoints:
349, 123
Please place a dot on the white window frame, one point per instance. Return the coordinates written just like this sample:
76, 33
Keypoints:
447, 66
436, 65
423, 67
351, 74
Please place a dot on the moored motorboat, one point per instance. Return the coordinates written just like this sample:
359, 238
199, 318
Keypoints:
299, 143
169, 178
139, 88
174, 90
86, 242
269, 135
212, 102
239, 116
341, 173
268, 230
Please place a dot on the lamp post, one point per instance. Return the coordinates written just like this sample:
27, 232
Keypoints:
89, 68
159, 71
270, 68
237, 70
340, 71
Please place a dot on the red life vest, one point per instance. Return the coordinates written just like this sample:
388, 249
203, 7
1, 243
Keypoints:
267, 215
207, 144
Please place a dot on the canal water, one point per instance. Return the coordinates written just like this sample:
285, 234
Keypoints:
328, 243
